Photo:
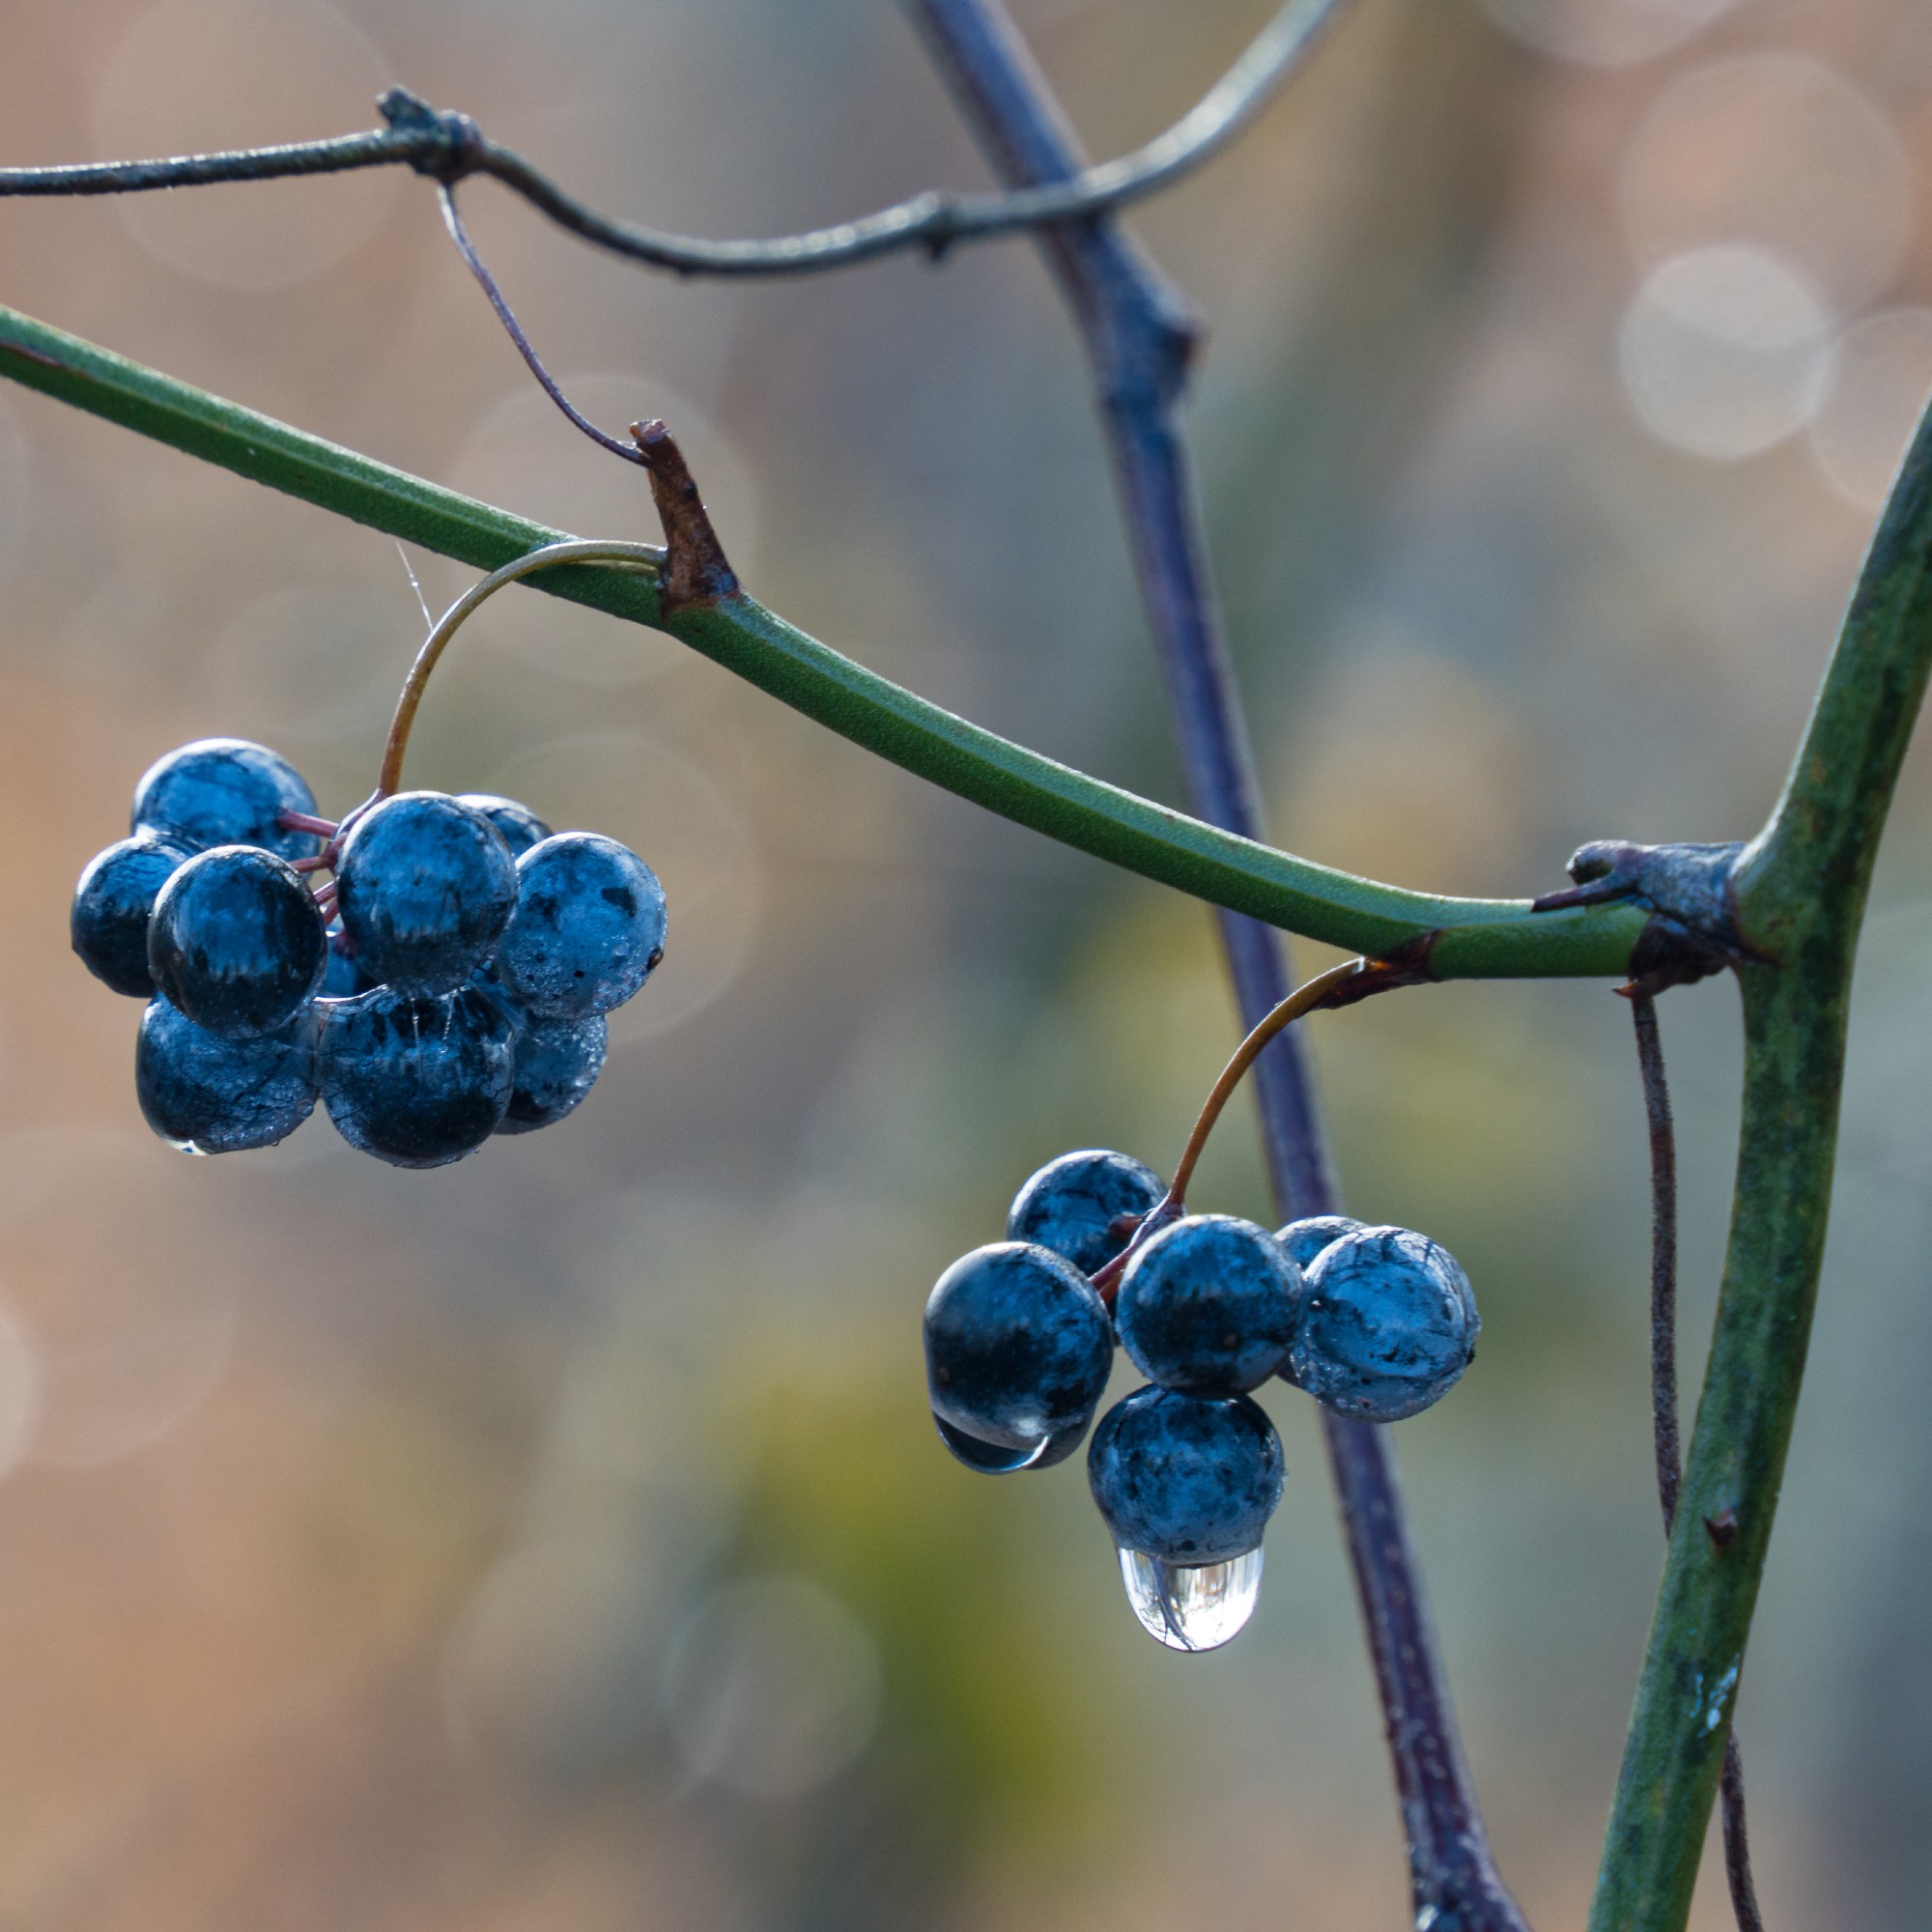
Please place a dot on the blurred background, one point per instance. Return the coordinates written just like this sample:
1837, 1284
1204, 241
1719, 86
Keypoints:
560, 1539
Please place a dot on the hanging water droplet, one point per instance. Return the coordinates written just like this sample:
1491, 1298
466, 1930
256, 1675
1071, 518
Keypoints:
990, 1458
1192, 1605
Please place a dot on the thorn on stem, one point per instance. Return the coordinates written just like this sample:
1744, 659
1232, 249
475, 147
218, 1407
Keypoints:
696, 568
1724, 1526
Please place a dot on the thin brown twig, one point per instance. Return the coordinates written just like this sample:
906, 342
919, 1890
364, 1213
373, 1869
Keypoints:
1664, 1405
506, 315
450, 147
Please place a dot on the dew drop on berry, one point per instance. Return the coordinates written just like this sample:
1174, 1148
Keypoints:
1193, 1605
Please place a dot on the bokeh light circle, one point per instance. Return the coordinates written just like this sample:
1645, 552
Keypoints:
1603, 32
191, 75
1724, 350
1881, 379
1780, 150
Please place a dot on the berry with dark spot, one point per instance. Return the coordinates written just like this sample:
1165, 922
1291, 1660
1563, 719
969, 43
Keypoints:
1076, 1205
1189, 1479
112, 905
225, 791
1208, 1305
425, 885
1388, 1326
215, 1096
1017, 1346
415, 1080
588, 927
235, 941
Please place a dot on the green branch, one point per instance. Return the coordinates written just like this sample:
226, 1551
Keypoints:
1479, 938
1800, 892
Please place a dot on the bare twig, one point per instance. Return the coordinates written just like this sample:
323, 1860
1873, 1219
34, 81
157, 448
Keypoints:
1663, 1404
1139, 337
450, 147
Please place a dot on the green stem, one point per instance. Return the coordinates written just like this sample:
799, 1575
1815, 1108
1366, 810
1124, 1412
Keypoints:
1800, 899
1479, 938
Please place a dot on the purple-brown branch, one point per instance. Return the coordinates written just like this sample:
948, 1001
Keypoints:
1140, 338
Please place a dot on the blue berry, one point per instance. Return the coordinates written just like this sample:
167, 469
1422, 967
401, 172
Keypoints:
1305, 1239
1073, 1204
235, 941
521, 828
1017, 1346
1186, 1478
425, 886
588, 927
415, 1081
216, 1096
1208, 1305
1388, 1326
112, 905
225, 791
556, 1062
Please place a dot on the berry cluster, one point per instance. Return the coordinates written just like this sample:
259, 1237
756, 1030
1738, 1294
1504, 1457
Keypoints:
448, 981
1374, 1323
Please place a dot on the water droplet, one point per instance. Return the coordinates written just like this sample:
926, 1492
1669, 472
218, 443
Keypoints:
990, 1458
995, 1459
1192, 1606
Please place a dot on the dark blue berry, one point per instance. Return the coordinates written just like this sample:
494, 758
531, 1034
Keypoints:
1388, 1326
556, 1062
216, 1096
521, 828
235, 941
1208, 1305
1017, 1346
588, 927
112, 905
415, 1081
1305, 1239
425, 886
1186, 1478
225, 791
1074, 1205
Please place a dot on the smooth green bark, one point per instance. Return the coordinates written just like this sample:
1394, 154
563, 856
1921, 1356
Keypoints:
1479, 938
1799, 893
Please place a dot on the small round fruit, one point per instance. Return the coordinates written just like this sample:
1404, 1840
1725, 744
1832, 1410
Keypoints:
415, 1081
1388, 1326
556, 1062
215, 1096
1189, 1479
425, 885
1210, 1306
588, 928
113, 903
1305, 1239
235, 941
521, 828
225, 791
1017, 1346
1072, 1205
